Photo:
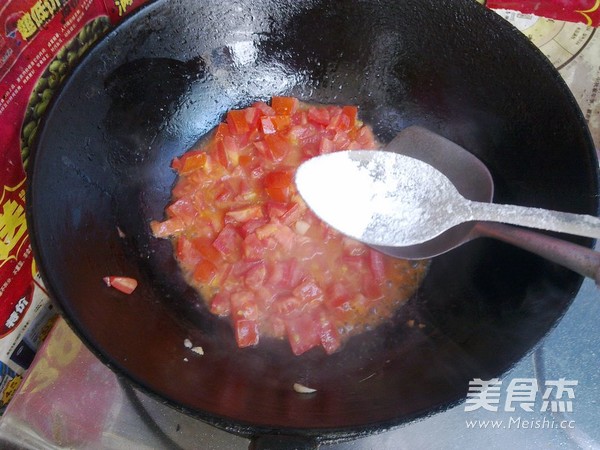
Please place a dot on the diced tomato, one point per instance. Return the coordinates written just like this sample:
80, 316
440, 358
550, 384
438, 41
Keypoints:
190, 161
205, 271
252, 116
229, 242
244, 214
245, 238
303, 333
278, 194
329, 336
287, 305
344, 119
370, 287
245, 161
285, 237
220, 305
277, 185
252, 225
221, 153
308, 290
187, 254
221, 131
277, 147
355, 145
182, 208
254, 248
338, 293
265, 110
236, 119
341, 140
167, 227
284, 275
318, 116
326, 146
365, 138
123, 284
276, 209
241, 267
285, 105
224, 194
377, 265
274, 124
352, 113
267, 126
246, 332
278, 178
256, 276
243, 305
204, 247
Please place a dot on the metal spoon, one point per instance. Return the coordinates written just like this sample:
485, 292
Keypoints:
455, 162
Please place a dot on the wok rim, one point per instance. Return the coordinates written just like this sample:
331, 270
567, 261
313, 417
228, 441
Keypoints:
232, 425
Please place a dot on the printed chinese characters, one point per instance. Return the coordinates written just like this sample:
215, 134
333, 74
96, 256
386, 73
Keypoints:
557, 395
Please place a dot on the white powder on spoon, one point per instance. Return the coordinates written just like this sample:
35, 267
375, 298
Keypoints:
364, 196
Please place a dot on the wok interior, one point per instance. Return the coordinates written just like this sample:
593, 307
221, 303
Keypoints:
146, 94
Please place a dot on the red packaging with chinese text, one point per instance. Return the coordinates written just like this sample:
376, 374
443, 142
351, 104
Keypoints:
41, 41
585, 11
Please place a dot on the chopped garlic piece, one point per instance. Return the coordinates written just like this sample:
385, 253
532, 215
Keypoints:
198, 350
187, 343
300, 388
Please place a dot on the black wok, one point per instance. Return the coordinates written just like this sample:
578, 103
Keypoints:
100, 172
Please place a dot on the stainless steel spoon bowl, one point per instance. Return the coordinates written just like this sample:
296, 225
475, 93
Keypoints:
472, 180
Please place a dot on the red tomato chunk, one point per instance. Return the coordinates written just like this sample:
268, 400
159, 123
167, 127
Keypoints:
247, 242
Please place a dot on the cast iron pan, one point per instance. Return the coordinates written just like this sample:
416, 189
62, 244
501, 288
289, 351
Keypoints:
166, 77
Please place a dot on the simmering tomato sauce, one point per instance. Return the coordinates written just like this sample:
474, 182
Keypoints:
245, 239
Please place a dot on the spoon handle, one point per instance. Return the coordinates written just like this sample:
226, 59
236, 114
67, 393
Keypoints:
543, 219
578, 258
